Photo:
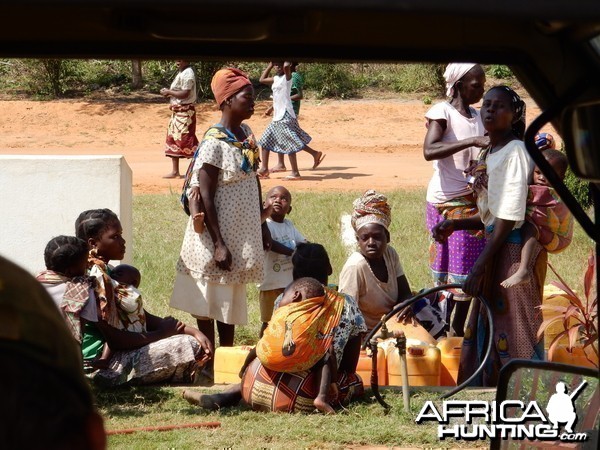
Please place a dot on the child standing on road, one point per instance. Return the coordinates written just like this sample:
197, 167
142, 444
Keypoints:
296, 96
278, 261
284, 135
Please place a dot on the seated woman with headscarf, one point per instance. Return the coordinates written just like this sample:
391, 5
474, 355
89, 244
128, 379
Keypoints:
373, 275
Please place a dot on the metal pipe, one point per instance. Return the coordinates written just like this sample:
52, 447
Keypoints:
425, 293
375, 375
401, 346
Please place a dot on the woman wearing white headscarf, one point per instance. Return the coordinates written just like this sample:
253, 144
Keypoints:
454, 138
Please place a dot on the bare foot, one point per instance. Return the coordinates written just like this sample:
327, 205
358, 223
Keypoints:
516, 279
278, 168
198, 221
173, 175
322, 405
204, 401
262, 173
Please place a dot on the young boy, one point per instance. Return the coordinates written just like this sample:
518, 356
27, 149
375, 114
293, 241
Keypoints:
548, 220
278, 261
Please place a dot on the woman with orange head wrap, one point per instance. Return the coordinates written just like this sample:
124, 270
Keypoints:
215, 265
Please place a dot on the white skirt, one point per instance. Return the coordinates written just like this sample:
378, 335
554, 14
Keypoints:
206, 300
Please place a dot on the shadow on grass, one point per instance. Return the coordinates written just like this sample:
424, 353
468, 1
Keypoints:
131, 400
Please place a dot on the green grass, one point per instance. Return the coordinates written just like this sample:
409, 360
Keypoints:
364, 423
159, 222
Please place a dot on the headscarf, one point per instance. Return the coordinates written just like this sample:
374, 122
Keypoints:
454, 72
226, 82
372, 207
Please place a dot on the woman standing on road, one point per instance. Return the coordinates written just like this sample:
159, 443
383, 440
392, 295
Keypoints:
181, 133
454, 138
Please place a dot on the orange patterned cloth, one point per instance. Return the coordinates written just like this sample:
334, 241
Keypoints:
227, 82
299, 334
551, 218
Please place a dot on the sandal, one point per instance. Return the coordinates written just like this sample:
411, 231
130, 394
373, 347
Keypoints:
319, 160
293, 178
262, 175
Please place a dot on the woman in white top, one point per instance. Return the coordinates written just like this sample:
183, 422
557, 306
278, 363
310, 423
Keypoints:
181, 133
454, 138
501, 184
284, 135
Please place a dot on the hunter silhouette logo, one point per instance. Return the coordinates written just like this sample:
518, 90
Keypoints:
509, 419
561, 408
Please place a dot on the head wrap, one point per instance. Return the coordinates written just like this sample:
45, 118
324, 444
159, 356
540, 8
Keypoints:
372, 207
454, 72
226, 82
545, 141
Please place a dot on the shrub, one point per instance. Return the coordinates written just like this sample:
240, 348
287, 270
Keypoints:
579, 188
329, 80
500, 71
420, 78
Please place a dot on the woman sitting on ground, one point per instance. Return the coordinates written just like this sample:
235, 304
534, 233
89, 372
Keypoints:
162, 350
373, 275
287, 391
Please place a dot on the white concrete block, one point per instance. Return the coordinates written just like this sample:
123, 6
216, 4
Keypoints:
42, 195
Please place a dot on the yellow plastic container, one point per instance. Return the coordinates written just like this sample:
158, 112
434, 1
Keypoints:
450, 349
364, 367
423, 364
228, 362
411, 331
560, 300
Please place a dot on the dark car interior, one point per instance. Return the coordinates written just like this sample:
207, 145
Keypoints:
552, 46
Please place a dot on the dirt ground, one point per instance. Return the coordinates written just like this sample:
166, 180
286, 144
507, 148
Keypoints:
369, 143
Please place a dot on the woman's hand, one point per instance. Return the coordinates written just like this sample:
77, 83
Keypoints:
481, 141
442, 230
473, 285
164, 92
205, 344
222, 257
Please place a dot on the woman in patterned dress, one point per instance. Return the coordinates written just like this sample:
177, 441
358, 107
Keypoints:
181, 133
214, 266
147, 351
454, 138
501, 185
